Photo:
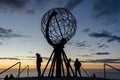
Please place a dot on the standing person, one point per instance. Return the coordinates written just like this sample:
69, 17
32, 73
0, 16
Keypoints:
38, 63
11, 76
77, 65
68, 66
6, 77
94, 76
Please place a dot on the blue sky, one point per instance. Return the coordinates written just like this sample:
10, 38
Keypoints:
97, 38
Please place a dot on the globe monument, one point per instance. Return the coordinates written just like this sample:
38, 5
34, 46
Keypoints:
58, 26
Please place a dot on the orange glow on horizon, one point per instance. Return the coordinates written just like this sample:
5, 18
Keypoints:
32, 65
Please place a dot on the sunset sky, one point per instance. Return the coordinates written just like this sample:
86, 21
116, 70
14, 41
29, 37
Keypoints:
97, 39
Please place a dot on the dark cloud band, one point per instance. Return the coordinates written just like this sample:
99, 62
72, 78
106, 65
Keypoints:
107, 10
8, 58
13, 3
72, 3
8, 33
105, 34
102, 53
105, 60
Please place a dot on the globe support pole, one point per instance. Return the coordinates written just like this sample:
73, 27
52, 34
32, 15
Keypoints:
58, 61
58, 57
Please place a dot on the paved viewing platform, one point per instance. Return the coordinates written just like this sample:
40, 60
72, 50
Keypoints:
62, 78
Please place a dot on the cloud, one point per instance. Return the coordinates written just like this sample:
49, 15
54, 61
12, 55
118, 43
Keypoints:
92, 49
30, 56
86, 30
47, 58
32, 12
105, 60
105, 34
73, 3
108, 60
118, 30
70, 43
31, 52
33, 57
8, 58
1, 43
107, 9
114, 38
8, 33
33, 6
102, 34
102, 53
26, 6
42, 2
82, 44
103, 46
14, 4
86, 55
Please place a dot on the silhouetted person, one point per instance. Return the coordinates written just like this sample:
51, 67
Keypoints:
94, 76
68, 66
77, 65
38, 64
11, 76
6, 77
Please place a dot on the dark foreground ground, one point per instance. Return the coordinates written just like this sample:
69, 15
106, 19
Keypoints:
63, 78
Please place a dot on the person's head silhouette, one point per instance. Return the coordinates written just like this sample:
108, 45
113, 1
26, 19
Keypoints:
77, 59
69, 59
37, 54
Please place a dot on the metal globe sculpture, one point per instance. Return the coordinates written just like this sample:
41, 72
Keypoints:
58, 26
62, 25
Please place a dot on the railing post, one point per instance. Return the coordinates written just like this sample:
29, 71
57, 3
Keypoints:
104, 71
19, 70
28, 71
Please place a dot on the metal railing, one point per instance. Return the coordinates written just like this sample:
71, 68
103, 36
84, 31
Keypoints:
12, 67
85, 71
109, 66
26, 67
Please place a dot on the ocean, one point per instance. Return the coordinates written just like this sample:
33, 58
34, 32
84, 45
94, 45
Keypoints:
110, 73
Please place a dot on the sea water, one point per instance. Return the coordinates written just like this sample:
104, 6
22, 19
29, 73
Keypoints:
111, 74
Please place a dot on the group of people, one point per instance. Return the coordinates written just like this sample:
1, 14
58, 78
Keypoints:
77, 65
9, 78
